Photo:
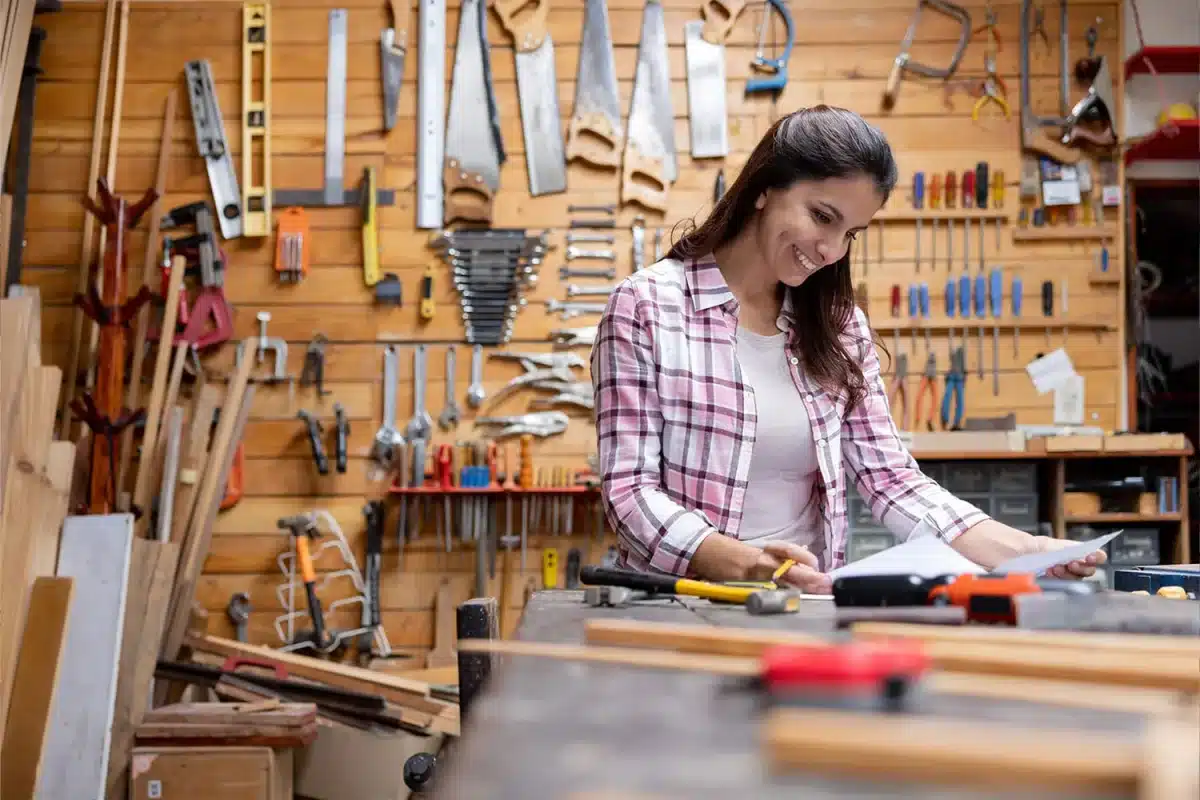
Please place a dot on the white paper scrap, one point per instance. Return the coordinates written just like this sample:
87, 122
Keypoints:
1037, 563
927, 556
1050, 371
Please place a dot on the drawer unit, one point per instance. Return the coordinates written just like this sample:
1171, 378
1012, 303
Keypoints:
968, 476
860, 516
934, 470
1136, 547
981, 501
867, 543
1017, 510
1014, 478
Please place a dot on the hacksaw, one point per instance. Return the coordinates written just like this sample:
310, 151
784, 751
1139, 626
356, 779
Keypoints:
431, 110
903, 61
650, 141
595, 134
256, 122
214, 148
537, 94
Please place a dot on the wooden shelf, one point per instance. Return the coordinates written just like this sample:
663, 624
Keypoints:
1065, 233
1032, 455
942, 215
1178, 141
1121, 516
1036, 324
1178, 60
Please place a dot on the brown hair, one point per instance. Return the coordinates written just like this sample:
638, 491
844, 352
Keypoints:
811, 144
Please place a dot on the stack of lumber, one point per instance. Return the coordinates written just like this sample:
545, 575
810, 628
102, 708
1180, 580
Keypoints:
266, 723
16, 20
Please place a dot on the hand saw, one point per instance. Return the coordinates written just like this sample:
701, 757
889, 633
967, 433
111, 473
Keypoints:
1034, 136
704, 52
650, 142
904, 63
393, 45
595, 133
473, 151
537, 92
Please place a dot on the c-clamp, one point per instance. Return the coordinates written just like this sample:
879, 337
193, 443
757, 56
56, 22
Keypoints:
265, 343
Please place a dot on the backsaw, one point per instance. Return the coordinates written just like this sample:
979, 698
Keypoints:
650, 141
595, 133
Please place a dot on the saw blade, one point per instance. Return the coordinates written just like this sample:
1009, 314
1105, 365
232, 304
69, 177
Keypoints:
707, 119
651, 119
537, 92
596, 82
473, 145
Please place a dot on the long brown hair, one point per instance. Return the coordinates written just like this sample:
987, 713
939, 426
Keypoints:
811, 144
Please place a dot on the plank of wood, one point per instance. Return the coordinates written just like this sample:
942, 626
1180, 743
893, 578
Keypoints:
1146, 644
35, 683
19, 319
947, 751
736, 666
96, 552
56, 487
1122, 668
273, 713
443, 653
5, 231
151, 573
194, 458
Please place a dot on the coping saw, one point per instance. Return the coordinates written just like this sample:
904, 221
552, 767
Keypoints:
774, 69
904, 62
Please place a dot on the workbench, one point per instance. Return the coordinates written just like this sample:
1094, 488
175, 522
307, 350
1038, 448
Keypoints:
547, 728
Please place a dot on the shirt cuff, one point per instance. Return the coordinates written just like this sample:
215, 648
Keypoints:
953, 518
675, 547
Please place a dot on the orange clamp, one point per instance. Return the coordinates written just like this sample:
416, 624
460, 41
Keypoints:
292, 245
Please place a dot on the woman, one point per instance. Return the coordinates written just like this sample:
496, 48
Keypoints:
736, 378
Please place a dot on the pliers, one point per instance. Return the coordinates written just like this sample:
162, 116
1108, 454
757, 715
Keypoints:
928, 387
539, 423
898, 392
994, 90
1038, 28
578, 393
572, 337
956, 380
553, 366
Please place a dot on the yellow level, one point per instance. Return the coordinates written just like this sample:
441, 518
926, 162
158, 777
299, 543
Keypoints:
256, 120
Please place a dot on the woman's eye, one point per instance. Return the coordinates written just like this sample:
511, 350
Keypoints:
822, 217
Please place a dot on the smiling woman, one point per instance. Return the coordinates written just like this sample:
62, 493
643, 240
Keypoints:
738, 387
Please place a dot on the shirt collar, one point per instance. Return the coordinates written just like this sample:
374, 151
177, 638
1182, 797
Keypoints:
707, 289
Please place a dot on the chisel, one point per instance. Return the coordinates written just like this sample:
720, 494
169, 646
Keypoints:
912, 314
996, 295
1017, 290
924, 299
950, 311
980, 311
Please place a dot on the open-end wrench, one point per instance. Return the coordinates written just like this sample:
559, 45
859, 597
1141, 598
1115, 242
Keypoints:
388, 436
475, 392
572, 310
574, 290
420, 426
575, 208
238, 612
587, 272
578, 252
449, 416
591, 238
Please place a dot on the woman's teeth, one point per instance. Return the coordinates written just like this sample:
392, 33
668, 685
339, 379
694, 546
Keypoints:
807, 265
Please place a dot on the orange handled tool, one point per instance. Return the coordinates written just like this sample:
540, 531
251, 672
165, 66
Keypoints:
510, 475
234, 483
303, 529
986, 598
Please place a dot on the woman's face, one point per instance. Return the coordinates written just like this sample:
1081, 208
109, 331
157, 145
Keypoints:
810, 225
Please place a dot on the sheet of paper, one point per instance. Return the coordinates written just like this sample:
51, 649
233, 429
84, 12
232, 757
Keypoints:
927, 556
1050, 371
1037, 563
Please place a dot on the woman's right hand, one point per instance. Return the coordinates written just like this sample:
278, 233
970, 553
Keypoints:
803, 575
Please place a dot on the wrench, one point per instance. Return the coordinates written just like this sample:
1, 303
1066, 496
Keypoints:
589, 291
475, 392
587, 272
584, 209
449, 415
238, 612
572, 310
420, 425
578, 252
639, 242
387, 438
591, 238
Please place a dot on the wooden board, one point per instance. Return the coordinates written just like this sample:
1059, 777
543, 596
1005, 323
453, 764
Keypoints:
96, 553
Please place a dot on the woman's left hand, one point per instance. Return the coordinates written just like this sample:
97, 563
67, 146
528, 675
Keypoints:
1081, 568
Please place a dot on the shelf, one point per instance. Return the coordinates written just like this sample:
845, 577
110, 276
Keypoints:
974, 324
470, 491
1163, 145
941, 214
1181, 60
1121, 516
1065, 233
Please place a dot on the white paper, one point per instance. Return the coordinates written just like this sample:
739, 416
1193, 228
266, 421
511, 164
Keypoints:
1050, 371
929, 557
1068, 401
1037, 563
926, 556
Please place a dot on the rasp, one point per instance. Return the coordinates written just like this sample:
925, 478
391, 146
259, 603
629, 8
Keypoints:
597, 103
537, 92
650, 140
474, 152
393, 45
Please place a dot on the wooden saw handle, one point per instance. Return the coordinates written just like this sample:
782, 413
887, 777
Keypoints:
719, 17
636, 163
1035, 139
467, 196
602, 148
529, 31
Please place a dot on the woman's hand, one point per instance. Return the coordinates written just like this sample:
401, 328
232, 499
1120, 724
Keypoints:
1082, 568
803, 575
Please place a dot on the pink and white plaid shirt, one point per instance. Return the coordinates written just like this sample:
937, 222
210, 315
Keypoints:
676, 426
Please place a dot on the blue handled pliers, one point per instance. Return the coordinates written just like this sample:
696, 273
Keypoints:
956, 380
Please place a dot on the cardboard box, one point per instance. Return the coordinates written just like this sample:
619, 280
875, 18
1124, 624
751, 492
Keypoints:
230, 773
346, 763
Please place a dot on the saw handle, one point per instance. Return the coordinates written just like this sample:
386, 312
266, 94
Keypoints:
468, 198
601, 147
529, 31
719, 17
893, 81
652, 169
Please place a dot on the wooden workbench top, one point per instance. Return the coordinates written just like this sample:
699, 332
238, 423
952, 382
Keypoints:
553, 729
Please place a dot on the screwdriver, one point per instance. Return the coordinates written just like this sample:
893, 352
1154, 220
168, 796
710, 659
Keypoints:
1048, 306
924, 297
1017, 289
912, 313
981, 201
896, 318
998, 200
997, 297
918, 205
968, 201
950, 310
935, 202
1063, 311
980, 310
964, 309
951, 186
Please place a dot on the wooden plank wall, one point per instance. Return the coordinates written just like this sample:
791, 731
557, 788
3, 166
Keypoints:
843, 51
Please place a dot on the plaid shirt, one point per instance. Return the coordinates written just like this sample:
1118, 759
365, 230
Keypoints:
676, 424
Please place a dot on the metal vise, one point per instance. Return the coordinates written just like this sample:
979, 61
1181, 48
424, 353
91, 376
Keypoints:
265, 343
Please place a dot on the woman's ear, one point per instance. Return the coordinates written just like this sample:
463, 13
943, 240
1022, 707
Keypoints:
761, 202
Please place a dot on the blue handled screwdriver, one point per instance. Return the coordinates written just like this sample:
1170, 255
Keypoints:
1017, 288
924, 297
950, 301
912, 313
964, 309
996, 295
918, 205
980, 313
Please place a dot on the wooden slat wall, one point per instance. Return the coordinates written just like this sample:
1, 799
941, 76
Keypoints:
843, 51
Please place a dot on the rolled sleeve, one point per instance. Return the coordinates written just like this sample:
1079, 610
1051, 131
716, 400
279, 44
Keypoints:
902, 498
656, 532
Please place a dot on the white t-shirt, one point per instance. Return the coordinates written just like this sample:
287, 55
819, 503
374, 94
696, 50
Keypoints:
780, 504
